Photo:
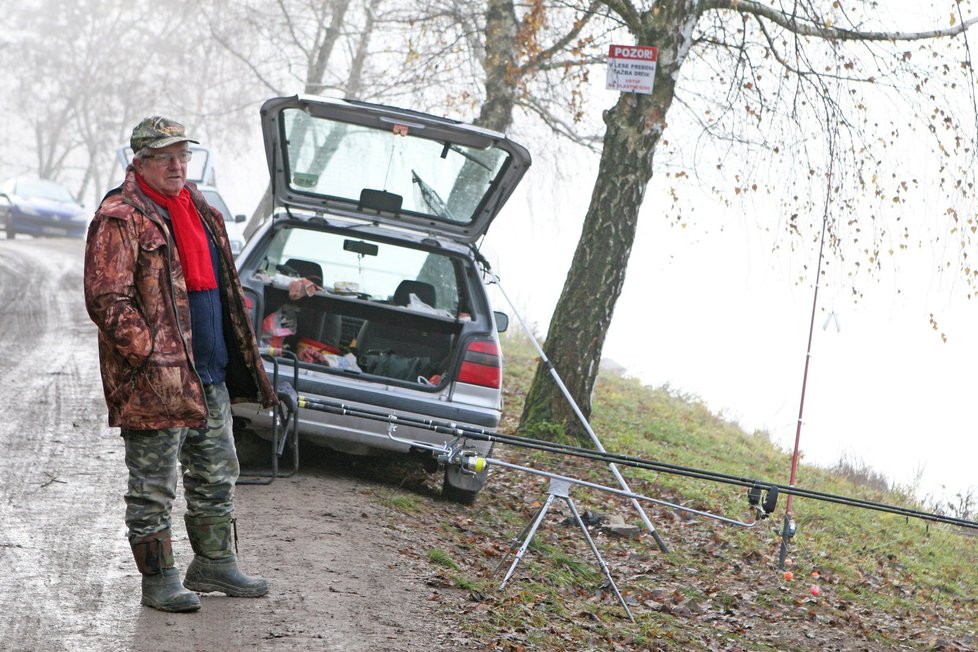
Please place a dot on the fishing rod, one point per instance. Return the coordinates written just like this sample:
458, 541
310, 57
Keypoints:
788, 527
454, 452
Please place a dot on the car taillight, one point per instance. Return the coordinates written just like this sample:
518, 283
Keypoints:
480, 364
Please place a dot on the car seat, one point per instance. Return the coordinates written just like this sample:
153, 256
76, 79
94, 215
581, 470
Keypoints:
424, 291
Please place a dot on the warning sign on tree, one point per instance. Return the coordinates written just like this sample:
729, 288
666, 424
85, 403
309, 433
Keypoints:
631, 68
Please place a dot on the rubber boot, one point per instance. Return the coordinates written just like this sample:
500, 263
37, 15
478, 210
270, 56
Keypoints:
161, 579
215, 565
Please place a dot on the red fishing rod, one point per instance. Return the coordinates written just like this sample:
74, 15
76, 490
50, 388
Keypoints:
788, 528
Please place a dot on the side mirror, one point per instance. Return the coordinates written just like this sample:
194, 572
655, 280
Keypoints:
502, 321
240, 218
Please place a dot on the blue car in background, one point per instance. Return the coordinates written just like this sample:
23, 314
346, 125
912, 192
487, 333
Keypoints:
40, 207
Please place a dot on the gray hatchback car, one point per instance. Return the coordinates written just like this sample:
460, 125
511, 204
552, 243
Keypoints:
367, 272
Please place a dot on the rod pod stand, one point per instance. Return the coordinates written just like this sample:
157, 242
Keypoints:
558, 489
577, 410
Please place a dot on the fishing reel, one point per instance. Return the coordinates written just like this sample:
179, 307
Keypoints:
469, 462
766, 508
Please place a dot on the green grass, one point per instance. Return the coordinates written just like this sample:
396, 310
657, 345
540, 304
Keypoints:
400, 501
442, 558
885, 582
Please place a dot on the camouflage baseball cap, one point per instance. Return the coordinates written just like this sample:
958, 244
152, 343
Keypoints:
155, 132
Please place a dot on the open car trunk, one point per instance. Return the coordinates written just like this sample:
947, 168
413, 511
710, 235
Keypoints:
345, 334
389, 166
352, 305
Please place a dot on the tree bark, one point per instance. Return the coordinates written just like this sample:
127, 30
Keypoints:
597, 273
499, 65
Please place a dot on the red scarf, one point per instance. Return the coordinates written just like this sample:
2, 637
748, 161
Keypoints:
195, 253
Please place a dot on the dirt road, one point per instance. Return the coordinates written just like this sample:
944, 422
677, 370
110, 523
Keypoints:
67, 579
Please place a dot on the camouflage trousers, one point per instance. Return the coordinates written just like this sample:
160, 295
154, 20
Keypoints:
206, 457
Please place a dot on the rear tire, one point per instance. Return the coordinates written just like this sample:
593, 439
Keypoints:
8, 225
253, 451
463, 488
460, 496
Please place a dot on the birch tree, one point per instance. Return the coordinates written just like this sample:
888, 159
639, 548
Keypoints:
786, 84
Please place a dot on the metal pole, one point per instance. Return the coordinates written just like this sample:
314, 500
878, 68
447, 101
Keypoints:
560, 488
580, 415
526, 541
597, 555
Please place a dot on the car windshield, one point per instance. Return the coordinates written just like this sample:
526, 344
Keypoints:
372, 270
392, 169
214, 199
43, 189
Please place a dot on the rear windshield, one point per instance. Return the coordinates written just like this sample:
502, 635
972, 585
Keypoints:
391, 169
372, 270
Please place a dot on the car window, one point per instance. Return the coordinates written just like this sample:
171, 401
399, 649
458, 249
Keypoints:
444, 181
44, 190
370, 268
214, 199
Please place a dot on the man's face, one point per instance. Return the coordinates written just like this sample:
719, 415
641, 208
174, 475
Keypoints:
165, 170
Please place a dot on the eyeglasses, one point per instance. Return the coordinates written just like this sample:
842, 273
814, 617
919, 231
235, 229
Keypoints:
166, 159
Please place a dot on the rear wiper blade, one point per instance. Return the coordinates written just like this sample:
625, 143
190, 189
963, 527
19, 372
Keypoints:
471, 157
431, 198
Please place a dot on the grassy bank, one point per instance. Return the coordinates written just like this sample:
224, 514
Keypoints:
859, 579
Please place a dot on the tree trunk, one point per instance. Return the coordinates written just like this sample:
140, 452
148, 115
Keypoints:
500, 66
597, 273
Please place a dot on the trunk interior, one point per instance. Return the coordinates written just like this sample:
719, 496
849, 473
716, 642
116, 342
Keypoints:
346, 334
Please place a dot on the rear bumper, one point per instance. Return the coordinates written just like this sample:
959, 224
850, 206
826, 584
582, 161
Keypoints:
365, 435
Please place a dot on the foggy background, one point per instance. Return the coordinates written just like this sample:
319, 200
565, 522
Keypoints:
717, 300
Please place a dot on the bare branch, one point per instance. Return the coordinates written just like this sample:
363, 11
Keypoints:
626, 10
561, 44
243, 58
559, 126
559, 64
823, 29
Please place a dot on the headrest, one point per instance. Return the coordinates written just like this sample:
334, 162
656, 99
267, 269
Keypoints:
424, 291
306, 269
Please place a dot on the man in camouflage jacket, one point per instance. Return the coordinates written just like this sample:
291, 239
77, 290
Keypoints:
172, 410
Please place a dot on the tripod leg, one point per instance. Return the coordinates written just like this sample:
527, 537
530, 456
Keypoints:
529, 536
597, 555
515, 543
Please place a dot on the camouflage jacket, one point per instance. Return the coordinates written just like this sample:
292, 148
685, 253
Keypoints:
136, 294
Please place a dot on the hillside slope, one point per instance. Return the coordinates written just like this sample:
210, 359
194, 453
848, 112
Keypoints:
881, 582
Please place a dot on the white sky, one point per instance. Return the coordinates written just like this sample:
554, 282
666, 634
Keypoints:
713, 314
